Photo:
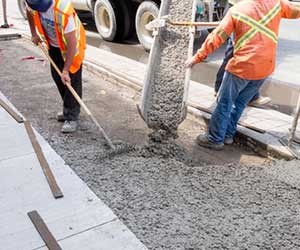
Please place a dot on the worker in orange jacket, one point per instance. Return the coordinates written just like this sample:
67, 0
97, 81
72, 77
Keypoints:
257, 100
56, 23
255, 25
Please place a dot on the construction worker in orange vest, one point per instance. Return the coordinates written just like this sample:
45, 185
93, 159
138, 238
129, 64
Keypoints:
255, 24
56, 23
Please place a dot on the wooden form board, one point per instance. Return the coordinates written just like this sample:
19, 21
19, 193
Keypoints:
43, 162
14, 114
43, 230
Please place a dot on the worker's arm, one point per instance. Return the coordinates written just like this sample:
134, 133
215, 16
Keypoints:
214, 40
71, 51
289, 10
34, 36
70, 35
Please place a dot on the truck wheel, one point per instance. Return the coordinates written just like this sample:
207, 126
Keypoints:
108, 20
128, 20
22, 8
147, 11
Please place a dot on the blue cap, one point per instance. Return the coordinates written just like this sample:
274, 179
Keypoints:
39, 5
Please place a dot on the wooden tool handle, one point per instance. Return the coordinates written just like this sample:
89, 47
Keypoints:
76, 96
210, 24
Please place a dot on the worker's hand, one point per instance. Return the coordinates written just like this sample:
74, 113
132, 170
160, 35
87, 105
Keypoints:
36, 39
65, 77
189, 63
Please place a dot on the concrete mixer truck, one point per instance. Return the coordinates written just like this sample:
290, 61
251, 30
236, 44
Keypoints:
116, 20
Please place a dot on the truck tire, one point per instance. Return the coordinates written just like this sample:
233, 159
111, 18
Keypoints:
128, 20
108, 19
22, 8
147, 11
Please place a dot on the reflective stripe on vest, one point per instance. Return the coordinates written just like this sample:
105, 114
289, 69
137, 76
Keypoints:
257, 26
61, 20
222, 34
77, 24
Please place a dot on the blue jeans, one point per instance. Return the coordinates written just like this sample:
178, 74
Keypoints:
220, 74
235, 94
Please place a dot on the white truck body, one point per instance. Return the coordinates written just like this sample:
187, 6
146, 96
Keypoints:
82, 5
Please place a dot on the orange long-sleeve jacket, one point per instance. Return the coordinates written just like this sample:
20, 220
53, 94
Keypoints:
255, 24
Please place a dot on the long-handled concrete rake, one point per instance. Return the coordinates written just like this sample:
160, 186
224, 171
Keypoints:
162, 21
79, 100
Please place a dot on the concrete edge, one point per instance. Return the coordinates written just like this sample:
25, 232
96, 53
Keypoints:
244, 135
111, 76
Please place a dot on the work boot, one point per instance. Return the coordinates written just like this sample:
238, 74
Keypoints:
60, 117
69, 127
5, 26
203, 141
260, 101
228, 140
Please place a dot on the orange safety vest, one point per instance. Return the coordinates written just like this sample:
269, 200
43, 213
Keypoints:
62, 10
255, 24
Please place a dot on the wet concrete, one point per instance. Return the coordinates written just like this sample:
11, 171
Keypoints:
162, 104
195, 200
